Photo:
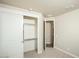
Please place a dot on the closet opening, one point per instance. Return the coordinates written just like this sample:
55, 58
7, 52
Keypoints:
48, 34
30, 34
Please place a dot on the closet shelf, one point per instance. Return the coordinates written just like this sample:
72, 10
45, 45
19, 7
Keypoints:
28, 24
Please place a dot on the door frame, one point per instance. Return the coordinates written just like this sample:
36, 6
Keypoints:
36, 22
44, 45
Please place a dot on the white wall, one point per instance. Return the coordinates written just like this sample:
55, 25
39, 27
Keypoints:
30, 45
67, 32
0, 37
30, 30
12, 36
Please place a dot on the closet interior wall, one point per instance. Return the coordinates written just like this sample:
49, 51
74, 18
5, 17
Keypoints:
30, 33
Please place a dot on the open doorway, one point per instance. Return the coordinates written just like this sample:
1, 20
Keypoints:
30, 34
48, 34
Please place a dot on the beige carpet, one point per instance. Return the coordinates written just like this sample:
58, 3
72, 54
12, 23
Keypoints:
48, 53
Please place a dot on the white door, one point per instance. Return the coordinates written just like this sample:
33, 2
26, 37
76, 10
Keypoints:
12, 35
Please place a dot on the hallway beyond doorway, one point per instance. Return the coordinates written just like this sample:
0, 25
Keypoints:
48, 34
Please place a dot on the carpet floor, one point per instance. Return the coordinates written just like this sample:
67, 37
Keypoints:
48, 53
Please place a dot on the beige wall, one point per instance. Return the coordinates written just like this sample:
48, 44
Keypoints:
67, 32
48, 32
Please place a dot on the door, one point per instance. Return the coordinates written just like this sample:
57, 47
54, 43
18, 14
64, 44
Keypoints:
12, 35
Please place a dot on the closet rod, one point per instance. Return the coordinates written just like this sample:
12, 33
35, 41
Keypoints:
29, 39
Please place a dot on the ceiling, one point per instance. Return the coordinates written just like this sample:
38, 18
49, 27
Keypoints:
47, 7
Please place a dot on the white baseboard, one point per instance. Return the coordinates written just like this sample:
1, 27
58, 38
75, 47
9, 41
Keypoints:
67, 52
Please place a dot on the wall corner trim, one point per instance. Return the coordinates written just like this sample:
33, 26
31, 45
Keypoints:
68, 53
